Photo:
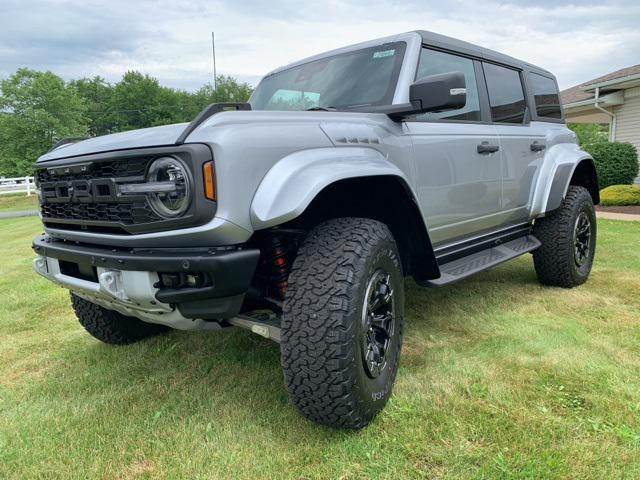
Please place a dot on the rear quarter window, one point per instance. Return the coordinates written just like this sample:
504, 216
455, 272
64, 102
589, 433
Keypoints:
546, 97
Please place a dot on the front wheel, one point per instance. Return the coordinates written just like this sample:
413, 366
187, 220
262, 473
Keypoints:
568, 237
342, 322
112, 327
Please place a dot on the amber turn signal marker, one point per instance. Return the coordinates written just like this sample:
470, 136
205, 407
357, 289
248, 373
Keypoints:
209, 181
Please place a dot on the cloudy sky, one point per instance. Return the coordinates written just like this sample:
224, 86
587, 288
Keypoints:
171, 39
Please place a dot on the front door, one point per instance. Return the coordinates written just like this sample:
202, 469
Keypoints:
457, 157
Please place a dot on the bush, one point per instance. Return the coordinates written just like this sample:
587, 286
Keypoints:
616, 162
616, 195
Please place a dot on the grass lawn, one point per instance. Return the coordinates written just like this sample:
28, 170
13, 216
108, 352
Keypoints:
17, 202
500, 378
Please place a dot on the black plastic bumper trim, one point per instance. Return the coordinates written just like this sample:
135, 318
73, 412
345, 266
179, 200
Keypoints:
232, 269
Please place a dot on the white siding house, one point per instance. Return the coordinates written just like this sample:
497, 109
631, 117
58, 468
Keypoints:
613, 99
628, 118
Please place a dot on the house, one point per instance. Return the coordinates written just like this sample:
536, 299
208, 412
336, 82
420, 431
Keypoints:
613, 99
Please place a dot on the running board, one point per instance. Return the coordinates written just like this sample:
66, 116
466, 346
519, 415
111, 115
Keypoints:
476, 262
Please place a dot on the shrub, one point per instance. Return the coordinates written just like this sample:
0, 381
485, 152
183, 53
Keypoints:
620, 195
616, 162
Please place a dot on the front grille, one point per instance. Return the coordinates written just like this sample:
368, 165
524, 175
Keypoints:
124, 213
84, 195
129, 167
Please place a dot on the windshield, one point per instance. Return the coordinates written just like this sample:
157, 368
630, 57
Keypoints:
364, 77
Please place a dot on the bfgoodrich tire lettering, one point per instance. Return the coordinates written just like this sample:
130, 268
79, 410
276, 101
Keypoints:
568, 236
112, 327
323, 328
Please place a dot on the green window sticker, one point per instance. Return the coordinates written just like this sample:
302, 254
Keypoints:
384, 53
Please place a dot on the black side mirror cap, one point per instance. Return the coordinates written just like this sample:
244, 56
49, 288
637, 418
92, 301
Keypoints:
435, 93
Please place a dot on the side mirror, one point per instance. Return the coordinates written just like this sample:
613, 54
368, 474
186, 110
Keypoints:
437, 93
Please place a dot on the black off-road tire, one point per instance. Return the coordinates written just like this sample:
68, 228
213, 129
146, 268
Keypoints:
555, 261
112, 327
324, 332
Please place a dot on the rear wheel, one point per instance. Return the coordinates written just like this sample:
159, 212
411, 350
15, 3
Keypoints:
342, 322
568, 237
112, 327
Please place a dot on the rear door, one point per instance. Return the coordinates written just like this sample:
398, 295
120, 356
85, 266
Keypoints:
458, 187
521, 143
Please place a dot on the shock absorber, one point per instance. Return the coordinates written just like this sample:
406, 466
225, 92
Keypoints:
275, 264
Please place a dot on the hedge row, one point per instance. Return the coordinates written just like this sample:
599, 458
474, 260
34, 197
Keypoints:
616, 162
620, 195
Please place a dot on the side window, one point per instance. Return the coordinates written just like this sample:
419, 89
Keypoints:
433, 62
546, 96
506, 95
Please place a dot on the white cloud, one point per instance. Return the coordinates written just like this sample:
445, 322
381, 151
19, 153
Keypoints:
171, 39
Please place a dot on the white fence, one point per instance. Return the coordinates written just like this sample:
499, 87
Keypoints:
17, 185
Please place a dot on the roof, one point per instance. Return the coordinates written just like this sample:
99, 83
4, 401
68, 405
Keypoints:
584, 91
442, 41
429, 38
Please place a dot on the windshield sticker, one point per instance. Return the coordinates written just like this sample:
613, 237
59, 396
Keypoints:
384, 53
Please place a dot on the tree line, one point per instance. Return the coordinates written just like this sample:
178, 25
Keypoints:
39, 108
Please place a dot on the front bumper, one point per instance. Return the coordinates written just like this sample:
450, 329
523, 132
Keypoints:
127, 280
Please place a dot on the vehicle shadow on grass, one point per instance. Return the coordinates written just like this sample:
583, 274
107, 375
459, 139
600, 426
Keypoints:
233, 377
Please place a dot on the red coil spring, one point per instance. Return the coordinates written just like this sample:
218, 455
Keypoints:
276, 264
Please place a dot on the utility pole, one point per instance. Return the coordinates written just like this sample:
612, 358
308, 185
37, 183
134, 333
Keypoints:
213, 51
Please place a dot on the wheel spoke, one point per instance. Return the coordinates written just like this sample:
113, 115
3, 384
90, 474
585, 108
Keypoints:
374, 305
382, 322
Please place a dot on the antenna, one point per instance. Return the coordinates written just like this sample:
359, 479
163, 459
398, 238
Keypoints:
213, 51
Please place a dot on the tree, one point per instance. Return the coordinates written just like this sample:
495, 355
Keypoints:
97, 95
589, 133
38, 109
139, 101
228, 89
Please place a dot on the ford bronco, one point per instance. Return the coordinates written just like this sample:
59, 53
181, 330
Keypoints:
297, 215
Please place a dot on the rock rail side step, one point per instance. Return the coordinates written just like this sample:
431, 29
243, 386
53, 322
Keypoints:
476, 262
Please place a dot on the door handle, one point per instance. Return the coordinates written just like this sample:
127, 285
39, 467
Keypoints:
537, 147
486, 147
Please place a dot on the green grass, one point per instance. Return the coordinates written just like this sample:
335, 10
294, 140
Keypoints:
17, 202
500, 378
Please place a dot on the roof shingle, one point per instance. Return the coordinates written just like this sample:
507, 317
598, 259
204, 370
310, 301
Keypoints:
577, 93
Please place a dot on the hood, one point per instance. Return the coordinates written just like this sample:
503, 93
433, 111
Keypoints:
145, 137
210, 129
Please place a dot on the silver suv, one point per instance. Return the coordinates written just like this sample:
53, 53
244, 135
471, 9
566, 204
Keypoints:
298, 215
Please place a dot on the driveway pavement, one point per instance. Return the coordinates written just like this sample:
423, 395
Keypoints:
618, 216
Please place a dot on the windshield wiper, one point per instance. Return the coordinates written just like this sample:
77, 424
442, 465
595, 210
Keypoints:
322, 109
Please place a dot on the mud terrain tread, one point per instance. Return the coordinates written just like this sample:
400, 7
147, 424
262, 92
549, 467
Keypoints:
112, 327
318, 352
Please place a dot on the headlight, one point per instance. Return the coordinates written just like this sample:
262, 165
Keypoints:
172, 202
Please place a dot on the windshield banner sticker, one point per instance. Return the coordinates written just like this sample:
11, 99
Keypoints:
384, 53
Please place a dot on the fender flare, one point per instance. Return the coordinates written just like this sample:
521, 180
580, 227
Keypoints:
295, 181
554, 180
291, 184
